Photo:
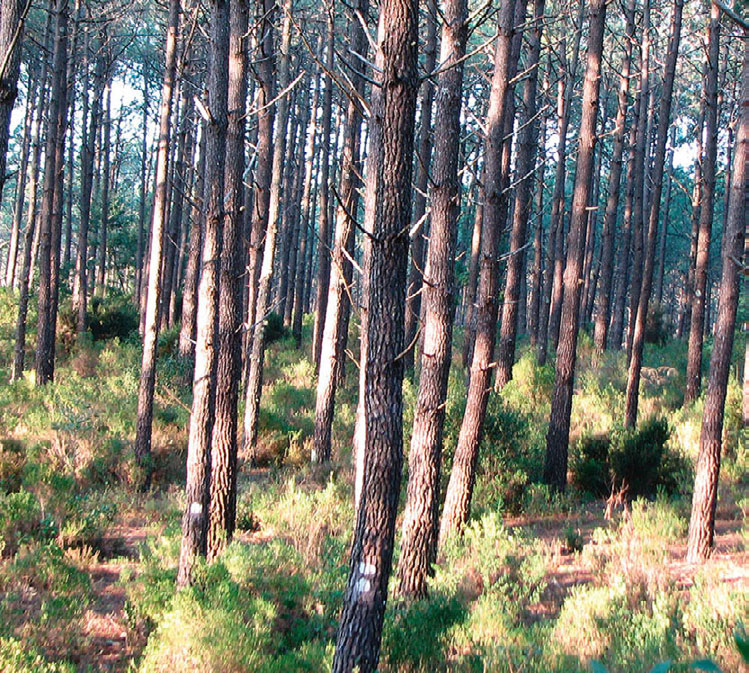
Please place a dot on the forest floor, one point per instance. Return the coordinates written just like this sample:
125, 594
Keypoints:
112, 644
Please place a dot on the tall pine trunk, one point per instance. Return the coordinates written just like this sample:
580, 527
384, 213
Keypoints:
557, 439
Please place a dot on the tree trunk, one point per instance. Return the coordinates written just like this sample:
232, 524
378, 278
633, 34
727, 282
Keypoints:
255, 376
105, 184
19, 350
360, 629
192, 272
151, 331
139, 256
195, 519
666, 221
305, 235
473, 274
557, 439
420, 521
702, 259
664, 115
609, 234
20, 198
12, 18
323, 251
524, 162
641, 150
537, 271
332, 347
702, 521
263, 170
420, 216
460, 488
51, 211
223, 493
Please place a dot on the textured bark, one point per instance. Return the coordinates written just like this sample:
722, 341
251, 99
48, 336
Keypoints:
537, 271
192, 272
702, 521
87, 179
255, 376
423, 162
641, 150
151, 330
700, 297
223, 494
11, 266
663, 241
24, 282
360, 629
339, 286
460, 487
101, 266
323, 251
51, 211
616, 328
685, 317
664, 115
473, 275
12, 19
609, 233
557, 439
526, 157
197, 489
264, 166
420, 519
305, 236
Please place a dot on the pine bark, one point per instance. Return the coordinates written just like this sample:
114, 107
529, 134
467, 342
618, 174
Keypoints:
12, 19
664, 115
420, 520
323, 249
223, 489
702, 520
557, 439
50, 215
265, 281
151, 330
462, 478
420, 216
360, 629
707, 197
609, 233
195, 519
527, 144
339, 285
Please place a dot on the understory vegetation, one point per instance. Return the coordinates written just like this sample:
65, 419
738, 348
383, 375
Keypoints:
539, 581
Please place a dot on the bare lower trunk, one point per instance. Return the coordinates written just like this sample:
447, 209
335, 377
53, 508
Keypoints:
462, 477
360, 628
151, 331
421, 516
223, 489
702, 521
664, 114
51, 210
555, 468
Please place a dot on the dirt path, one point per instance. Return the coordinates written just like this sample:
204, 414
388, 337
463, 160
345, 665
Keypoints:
111, 644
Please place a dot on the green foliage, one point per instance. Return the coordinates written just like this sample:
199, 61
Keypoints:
639, 460
20, 657
415, 634
115, 316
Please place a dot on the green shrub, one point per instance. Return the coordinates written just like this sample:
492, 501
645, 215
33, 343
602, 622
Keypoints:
415, 634
20, 520
12, 461
639, 460
116, 316
20, 657
274, 328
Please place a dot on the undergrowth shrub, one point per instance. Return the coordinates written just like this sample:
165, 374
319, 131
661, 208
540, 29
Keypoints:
113, 316
20, 657
638, 460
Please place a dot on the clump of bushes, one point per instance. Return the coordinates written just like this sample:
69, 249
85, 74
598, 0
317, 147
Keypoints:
638, 460
113, 317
